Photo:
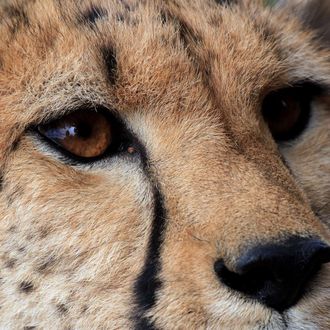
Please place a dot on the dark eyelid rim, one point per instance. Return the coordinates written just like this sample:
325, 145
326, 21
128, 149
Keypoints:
315, 88
122, 135
88, 107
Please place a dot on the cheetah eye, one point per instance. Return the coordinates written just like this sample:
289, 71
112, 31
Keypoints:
287, 111
85, 134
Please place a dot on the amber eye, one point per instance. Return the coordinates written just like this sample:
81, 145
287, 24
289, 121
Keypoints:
85, 134
287, 111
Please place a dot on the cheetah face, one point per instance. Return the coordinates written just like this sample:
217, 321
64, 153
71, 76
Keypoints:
164, 165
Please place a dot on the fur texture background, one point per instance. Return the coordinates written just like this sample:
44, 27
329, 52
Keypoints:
130, 241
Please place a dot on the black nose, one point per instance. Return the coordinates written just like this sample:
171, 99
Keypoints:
276, 274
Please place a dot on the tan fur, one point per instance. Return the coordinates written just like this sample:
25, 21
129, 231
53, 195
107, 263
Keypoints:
74, 238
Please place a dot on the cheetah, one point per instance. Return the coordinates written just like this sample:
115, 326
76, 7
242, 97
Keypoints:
164, 164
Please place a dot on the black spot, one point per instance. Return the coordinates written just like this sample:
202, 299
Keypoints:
215, 20
110, 61
120, 17
29, 327
13, 193
267, 34
21, 249
26, 287
93, 14
17, 18
187, 35
30, 237
148, 282
44, 232
285, 320
12, 229
192, 41
163, 17
46, 264
225, 2
1, 181
10, 263
127, 6
84, 309
61, 308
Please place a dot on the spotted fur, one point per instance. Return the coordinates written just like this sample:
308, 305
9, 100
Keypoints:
130, 241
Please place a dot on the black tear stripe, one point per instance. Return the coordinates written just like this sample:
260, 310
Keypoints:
110, 60
148, 282
93, 14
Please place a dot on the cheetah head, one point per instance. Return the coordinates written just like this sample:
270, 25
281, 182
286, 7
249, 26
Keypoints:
164, 164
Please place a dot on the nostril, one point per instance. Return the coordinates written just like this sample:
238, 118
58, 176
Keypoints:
276, 274
252, 282
231, 279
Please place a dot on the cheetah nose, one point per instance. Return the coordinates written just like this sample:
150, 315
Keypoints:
276, 275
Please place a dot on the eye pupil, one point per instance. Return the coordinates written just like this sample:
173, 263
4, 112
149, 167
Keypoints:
83, 130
